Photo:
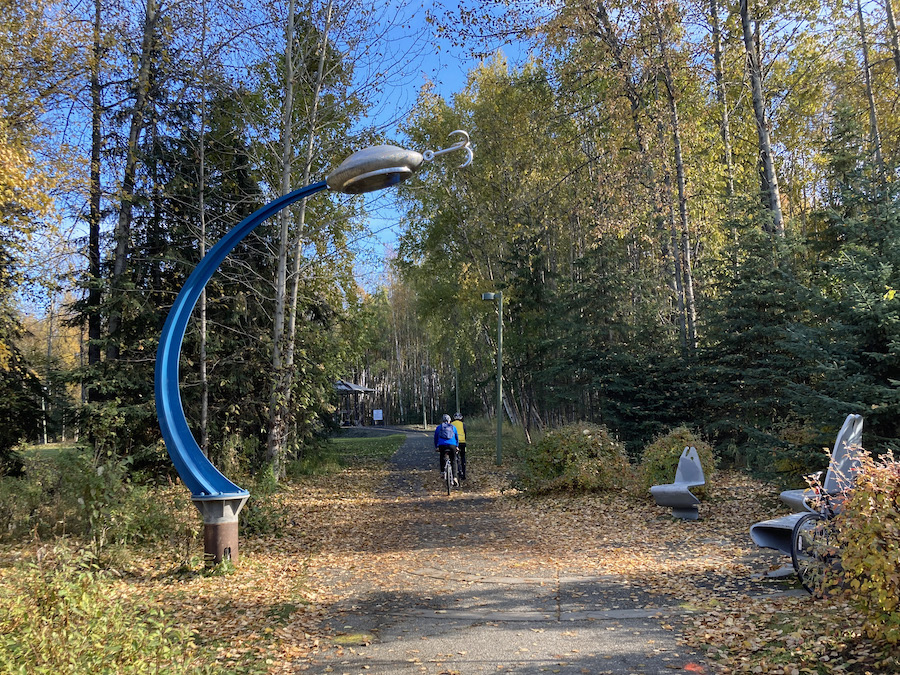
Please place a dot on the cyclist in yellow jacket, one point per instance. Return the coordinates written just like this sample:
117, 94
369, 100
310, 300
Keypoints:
461, 452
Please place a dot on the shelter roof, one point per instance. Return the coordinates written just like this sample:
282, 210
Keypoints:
344, 387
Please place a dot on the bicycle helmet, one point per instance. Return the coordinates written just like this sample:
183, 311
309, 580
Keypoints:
458, 416
446, 419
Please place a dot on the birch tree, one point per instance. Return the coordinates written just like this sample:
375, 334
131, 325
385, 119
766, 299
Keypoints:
769, 191
874, 134
721, 99
681, 242
892, 38
280, 397
95, 216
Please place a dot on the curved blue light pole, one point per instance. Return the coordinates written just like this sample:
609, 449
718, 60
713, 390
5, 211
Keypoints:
203, 479
218, 499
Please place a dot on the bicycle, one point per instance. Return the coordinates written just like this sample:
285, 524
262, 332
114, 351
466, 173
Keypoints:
815, 549
449, 472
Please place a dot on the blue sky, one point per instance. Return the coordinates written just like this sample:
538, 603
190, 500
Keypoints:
433, 59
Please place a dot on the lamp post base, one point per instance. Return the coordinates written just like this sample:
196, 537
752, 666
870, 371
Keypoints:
220, 527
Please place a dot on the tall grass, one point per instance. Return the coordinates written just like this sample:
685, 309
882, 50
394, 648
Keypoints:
340, 453
60, 610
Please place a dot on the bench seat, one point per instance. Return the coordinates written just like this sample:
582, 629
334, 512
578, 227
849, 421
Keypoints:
677, 495
799, 500
776, 533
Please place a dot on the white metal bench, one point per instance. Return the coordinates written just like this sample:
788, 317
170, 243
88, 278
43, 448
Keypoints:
776, 533
843, 461
677, 495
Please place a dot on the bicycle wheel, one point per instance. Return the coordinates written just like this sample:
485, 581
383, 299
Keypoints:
448, 474
814, 553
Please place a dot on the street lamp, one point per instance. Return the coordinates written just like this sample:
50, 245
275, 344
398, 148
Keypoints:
218, 499
498, 296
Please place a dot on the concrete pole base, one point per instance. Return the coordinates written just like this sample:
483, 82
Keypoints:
220, 527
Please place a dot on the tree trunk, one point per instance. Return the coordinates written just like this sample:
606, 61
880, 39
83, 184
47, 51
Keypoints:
201, 205
725, 125
312, 122
675, 274
874, 136
123, 225
277, 401
690, 307
285, 338
400, 365
94, 217
768, 178
607, 34
892, 36
690, 304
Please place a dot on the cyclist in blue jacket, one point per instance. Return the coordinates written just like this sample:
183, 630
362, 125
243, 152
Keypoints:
446, 440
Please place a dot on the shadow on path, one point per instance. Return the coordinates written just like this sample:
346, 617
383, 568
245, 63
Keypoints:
459, 604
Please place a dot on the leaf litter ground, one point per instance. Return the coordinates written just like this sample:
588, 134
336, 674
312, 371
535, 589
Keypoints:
275, 612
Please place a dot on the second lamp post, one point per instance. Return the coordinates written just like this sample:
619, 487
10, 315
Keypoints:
498, 296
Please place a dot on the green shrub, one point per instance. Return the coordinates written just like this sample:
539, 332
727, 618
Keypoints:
67, 493
869, 527
20, 504
576, 458
61, 617
660, 459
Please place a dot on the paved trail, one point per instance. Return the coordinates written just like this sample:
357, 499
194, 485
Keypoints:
472, 598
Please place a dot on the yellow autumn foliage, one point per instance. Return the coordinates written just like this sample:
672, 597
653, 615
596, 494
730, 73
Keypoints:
870, 535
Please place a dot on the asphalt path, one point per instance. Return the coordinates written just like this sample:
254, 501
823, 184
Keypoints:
465, 611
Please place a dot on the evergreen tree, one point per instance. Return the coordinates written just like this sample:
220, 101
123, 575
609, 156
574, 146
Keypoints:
20, 389
860, 247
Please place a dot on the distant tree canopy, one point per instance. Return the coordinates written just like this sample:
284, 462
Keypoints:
691, 210
629, 222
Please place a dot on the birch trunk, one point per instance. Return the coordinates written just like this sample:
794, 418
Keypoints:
725, 124
675, 273
606, 32
874, 135
95, 215
204, 375
277, 404
690, 308
401, 369
280, 408
892, 37
771, 196
312, 124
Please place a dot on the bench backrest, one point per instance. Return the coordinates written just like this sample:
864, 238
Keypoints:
689, 468
844, 456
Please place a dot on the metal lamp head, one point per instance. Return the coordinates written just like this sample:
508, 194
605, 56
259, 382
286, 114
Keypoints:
488, 296
374, 168
381, 166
